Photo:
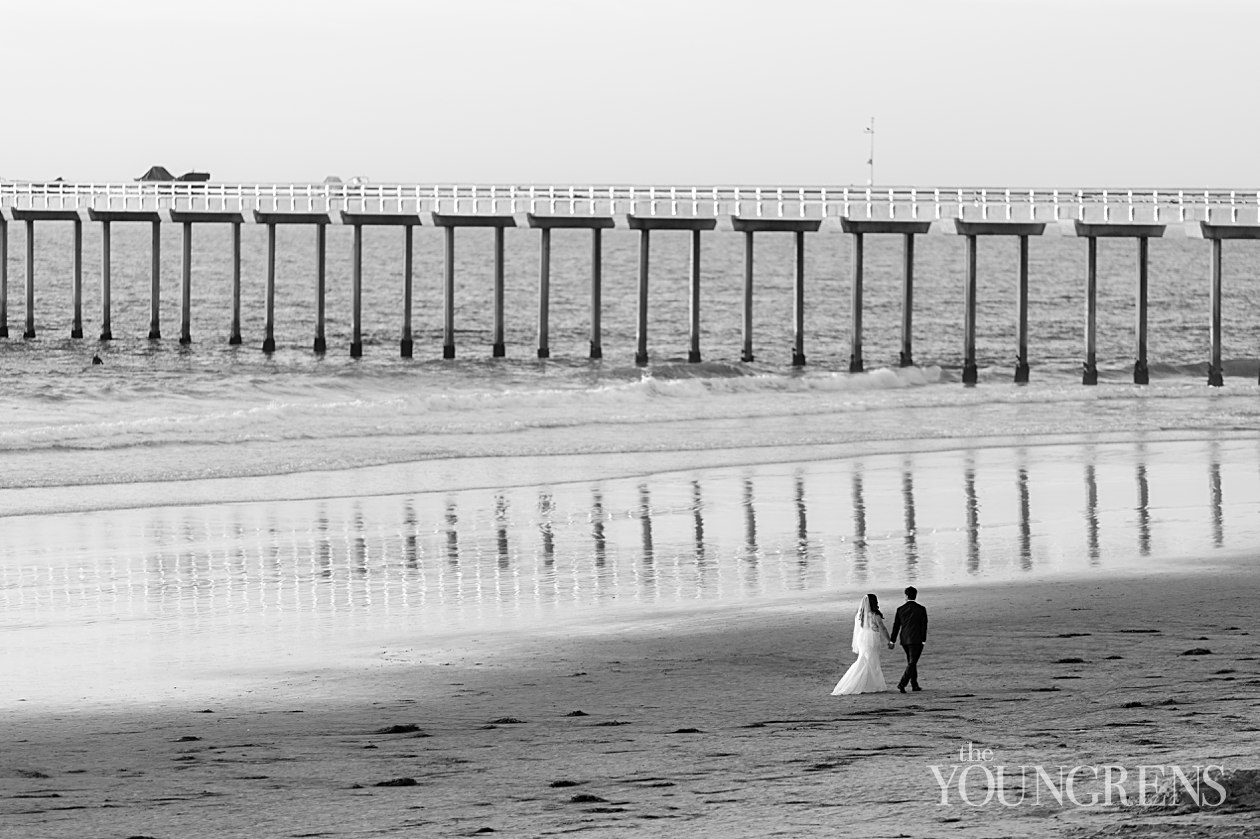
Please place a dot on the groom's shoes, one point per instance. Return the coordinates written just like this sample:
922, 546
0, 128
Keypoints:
901, 688
913, 687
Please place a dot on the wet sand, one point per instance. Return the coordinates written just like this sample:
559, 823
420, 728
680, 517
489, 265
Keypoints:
190, 600
716, 722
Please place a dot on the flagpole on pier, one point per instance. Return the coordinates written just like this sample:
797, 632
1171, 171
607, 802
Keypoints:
870, 161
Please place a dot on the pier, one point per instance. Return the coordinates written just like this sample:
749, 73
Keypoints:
818, 213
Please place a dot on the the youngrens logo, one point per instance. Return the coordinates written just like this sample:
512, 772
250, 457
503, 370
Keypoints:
977, 780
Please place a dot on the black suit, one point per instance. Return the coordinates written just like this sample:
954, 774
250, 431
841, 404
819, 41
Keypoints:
911, 624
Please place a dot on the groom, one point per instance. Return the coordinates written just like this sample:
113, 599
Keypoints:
911, 622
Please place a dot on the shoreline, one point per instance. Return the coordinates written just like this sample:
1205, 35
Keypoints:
451, 474
770, 750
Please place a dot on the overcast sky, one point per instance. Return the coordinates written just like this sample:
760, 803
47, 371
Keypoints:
966, 92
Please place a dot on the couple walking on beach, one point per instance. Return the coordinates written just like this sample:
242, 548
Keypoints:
870, 635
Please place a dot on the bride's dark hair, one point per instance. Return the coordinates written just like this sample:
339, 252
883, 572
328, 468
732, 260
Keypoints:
874, 601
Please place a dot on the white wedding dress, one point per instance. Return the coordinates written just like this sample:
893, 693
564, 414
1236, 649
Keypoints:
865, 675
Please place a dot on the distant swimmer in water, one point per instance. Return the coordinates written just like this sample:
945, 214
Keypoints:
96, 359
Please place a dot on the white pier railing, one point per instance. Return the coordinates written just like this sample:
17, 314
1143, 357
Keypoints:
1145, 205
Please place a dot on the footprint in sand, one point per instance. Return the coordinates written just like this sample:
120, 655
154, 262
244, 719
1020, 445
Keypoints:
405, 728
397, 782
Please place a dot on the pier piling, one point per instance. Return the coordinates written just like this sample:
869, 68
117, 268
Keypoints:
1093, 232
155, 297
547, 223
407, 222
107, 333
30, 279
185, 295
448, 295
1141, 374
356, 295
499, 281
746, 352
187, 218
359, 220
269, 315
1021, 315
405, 343
640, 334
906, 356
76, 327
1215, 374
1216, 233
450, 221
798, 227
29, 217
973, 230
597, 347
544, 292
858, 228
855, 329
234, 333
798, 303
970, 373
271, 219
1090, 374
645, 225
693, 305
320, 344
106, 217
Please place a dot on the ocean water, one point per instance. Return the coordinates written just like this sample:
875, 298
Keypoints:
173, 501
156, 411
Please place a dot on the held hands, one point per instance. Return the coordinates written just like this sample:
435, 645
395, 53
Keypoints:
891, 645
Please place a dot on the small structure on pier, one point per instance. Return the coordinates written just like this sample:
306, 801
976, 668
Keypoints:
157, 173
162, 174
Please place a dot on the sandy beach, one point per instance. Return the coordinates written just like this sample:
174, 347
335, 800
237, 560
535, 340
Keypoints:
715, 723
427, 420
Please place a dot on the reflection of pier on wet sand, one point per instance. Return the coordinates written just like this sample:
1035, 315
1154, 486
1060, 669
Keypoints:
537, 552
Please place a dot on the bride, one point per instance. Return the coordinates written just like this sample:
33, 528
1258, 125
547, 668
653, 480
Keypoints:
870, 636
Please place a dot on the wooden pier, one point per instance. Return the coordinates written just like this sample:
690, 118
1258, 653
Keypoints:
970, 214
